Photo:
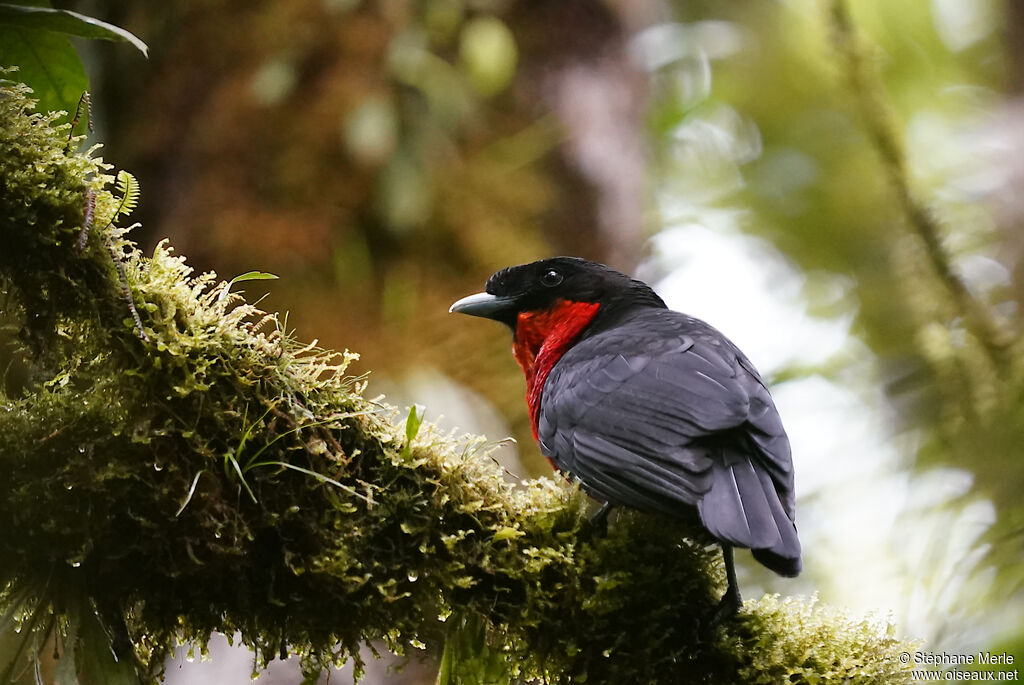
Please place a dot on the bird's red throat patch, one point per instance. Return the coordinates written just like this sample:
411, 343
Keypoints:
541, 338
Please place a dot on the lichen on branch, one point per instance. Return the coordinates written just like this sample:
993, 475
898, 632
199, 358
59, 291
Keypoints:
200, 470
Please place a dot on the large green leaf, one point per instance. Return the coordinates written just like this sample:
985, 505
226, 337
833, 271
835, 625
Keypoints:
94, 658
46, 63
66, 22
468, 659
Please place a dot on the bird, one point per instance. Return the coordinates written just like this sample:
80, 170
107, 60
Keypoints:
648, 408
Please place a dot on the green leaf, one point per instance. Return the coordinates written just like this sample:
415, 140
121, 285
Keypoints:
412, 427
468, 659
66, 670
230, 459
247, 276
47, 64
446, 673
253, 276
94, 656
66, 22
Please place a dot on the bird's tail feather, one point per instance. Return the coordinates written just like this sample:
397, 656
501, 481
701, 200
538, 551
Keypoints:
744, 508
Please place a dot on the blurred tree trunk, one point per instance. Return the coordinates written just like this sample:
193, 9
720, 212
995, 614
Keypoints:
585, 76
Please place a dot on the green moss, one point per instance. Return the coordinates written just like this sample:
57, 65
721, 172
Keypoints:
799, 641
210, 473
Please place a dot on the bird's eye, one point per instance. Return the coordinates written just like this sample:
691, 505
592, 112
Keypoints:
551, 278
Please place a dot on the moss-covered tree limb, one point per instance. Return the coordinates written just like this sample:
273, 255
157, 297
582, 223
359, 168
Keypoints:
210, 473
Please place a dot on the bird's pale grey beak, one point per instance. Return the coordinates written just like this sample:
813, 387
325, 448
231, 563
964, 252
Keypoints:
483, 304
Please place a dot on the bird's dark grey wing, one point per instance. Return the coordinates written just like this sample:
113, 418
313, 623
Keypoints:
663, 413
626, 424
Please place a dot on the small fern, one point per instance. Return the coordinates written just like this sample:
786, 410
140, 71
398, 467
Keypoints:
128, 189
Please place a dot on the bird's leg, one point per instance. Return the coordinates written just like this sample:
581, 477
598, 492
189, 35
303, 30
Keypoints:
731, 601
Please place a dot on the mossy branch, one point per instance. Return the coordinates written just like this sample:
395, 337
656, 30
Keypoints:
878, 124
208, 472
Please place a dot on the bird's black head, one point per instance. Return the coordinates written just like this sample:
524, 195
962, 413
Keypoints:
539, 286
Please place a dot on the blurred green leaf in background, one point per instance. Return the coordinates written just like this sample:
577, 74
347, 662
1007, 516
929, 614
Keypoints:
34, 37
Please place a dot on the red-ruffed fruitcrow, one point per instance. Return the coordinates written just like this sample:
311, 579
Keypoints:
647, 407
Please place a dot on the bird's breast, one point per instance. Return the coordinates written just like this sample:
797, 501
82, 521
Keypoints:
541, 338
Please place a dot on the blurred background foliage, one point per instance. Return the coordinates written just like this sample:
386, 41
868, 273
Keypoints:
384, 157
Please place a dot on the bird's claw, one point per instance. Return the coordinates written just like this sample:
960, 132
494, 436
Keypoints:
728, 606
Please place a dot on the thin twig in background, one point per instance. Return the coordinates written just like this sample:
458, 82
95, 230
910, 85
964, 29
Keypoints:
921, 220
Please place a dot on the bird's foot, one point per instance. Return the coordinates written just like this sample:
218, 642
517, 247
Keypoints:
728, 606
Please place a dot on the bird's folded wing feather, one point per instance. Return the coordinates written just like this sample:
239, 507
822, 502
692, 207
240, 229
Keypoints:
635, 413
